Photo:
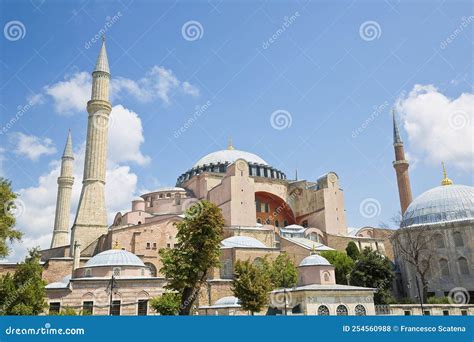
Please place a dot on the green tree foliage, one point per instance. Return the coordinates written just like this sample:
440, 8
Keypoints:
186, 265
352, 250
438, 300
374, 270
283, 272
168, 304
342, 263
7, 221
251, 285
23, 293
68, 311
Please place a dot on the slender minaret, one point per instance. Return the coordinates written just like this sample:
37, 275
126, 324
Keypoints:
91, 216
401, 168
63, 200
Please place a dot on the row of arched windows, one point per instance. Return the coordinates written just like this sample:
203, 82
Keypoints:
457, 238
462, 264
342, 310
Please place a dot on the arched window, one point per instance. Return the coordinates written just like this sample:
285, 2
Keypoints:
326, 277
457, 236
277, 224
152, 268
463, 266
259, 220
297, 309
341, 310
88, 272
444, 267
323, 310
360, 310
439, 241
226, 269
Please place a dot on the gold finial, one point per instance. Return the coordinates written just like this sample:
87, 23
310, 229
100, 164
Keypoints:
446, 180
229, 144
313, 250
116, 245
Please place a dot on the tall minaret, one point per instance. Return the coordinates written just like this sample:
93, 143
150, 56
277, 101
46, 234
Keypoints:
63, 200
91, 216
401, 168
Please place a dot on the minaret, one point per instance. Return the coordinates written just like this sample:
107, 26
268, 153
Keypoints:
63, 200
401, 168
91, 216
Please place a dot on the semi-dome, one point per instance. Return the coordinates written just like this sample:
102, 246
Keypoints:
242, 242
315, 260
227, 301
441, 204
115, 257
229, 156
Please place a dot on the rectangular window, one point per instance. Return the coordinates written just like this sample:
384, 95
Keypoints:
154, 245
54, 308
142, 307
426, 313
148, 245
267, 207
168, 245
258, 206
115, 308
407, 313
463, 312
87, 308
445, 312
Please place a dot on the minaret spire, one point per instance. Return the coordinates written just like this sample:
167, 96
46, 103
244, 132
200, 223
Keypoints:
91, 215
63, 200
401, 168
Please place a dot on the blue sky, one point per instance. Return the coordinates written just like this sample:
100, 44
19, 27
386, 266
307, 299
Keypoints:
337, 82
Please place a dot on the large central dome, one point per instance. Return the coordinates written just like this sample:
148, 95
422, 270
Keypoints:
229, 156
441, 204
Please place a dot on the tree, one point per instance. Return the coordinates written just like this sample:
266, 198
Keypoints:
24, 292
342, 263
167, 304
186, 266
374, 270
414, 248
352, 250
68, 311
283, 272
7, 220
251, 284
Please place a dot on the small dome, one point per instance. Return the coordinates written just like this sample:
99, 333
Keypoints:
115, 257
227, 301
294, 226
242, 242
229, 156
138, 199
314, 260
441, 204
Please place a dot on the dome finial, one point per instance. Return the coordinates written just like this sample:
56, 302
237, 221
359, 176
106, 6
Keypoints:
446, 180
116, 245
229, 144
313, 250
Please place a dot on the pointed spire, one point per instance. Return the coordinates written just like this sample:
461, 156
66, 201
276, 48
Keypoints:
446, 180
396, 131
296, 174
229, 144
102, 61
68, 148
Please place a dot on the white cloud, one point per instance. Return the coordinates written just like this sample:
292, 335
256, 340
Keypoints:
37, 219
125, 137
72, 94
32, 146
440, 128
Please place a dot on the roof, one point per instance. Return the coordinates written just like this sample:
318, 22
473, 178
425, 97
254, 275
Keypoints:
318, 287
63, 283
68, 148
242, 242
115, 257
308, 244
441, 204
102, 61
314, 260
228, 156
294, 226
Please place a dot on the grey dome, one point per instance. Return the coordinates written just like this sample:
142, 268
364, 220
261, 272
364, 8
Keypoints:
229, 156
441, 204
227, 301
115, 257
242, 242
315, 260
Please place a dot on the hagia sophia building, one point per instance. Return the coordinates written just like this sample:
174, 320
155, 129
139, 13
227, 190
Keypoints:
265, 214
